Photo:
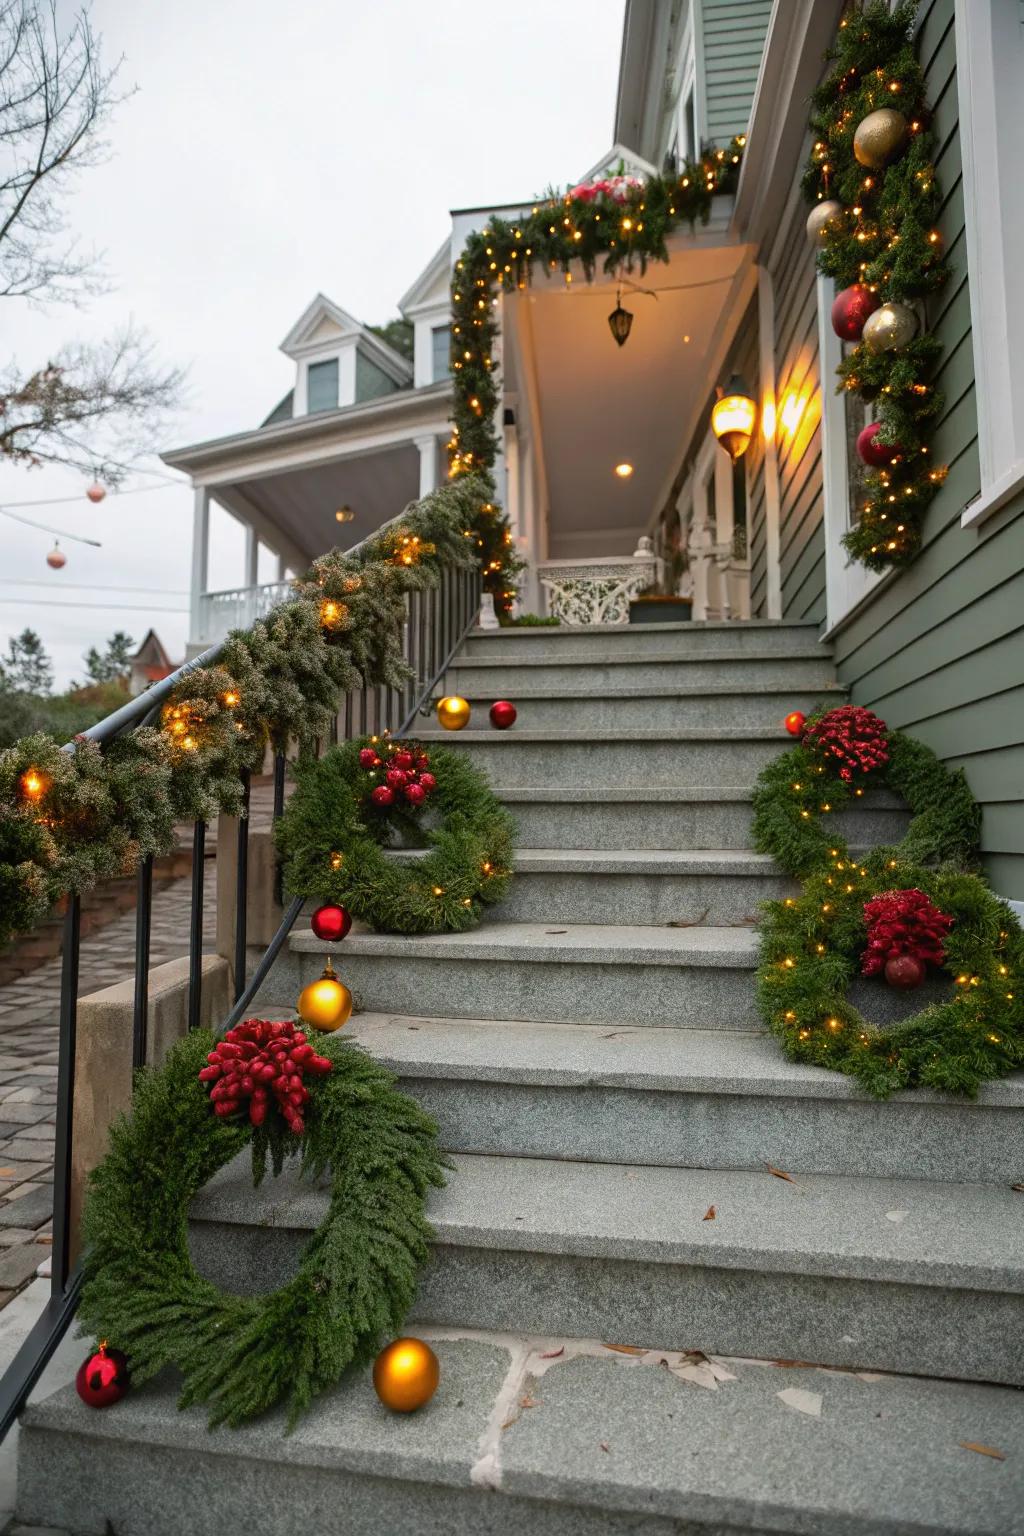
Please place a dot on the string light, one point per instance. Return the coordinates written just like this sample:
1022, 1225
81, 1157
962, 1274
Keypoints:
34, 784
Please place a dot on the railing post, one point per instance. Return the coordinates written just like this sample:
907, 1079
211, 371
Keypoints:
143, 929
195, 940
242, 889
64, 1130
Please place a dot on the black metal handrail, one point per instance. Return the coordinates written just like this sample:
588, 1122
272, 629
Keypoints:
437, 621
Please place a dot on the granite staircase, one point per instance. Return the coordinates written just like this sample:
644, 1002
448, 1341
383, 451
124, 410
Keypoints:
681, 1286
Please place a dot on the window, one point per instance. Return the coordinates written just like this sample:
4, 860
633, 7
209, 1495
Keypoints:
440, 338
322, 386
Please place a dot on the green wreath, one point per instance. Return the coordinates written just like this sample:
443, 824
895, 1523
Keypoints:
811, 945
240, 1354
338, 846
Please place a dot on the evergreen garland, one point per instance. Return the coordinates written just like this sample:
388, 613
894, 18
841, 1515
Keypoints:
624, 230
333, 842
70, 819
885, 239
241, 1354
811, 945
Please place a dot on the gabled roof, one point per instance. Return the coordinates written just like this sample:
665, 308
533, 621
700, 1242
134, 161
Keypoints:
151, 651
432, 281
634, 164
322, 311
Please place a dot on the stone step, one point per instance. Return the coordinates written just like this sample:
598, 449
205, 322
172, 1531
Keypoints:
556, 1436
548, 973
614, 816
497, 677
661, 757
759, 637
907, 1275
683, 1098
645, 705
640, 888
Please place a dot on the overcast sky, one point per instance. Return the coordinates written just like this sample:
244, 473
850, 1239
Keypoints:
272, 151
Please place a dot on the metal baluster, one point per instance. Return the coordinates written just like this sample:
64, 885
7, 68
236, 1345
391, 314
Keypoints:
143, 927
349, 710
242, 888
278, 784
334, 729
64, 1130
195, 938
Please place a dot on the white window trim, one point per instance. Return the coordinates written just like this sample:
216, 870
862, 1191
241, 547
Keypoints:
990, 68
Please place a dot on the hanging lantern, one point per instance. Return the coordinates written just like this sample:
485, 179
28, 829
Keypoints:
56, 558
620, 321
96, 492
732, 417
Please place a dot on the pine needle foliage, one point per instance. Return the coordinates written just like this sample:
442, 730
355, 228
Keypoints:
887, 239
239, 1354
280, 682
468, 834
811, 945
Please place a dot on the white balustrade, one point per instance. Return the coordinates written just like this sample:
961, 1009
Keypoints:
596, 591
237, 608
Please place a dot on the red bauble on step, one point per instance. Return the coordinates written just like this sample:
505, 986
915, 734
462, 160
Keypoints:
503, 714
850, 309
904, 972
330, 923
795, 722
103, 1378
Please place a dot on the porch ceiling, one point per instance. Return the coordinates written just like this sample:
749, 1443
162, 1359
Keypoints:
600, 405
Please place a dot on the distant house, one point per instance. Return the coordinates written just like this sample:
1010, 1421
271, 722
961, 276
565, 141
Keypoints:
149, 664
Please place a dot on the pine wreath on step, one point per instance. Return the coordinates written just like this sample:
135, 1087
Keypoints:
339, 836
242, 1354
814, 945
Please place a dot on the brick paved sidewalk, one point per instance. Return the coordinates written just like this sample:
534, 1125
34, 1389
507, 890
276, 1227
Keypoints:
28, 1068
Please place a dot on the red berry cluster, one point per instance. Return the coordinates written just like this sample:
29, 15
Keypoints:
904, 923
853, 736
257, 1060
406, 774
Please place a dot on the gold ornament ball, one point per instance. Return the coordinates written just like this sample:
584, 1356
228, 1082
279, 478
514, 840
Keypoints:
879, 138
823, 220
890, 327
453, 712
405, 1375
325, 1004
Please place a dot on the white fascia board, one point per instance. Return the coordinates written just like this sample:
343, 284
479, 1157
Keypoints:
321, 308
424, 289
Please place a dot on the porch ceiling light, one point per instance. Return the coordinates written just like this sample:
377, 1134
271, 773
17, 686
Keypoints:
344, 514
624, 470
732, 417
620, 322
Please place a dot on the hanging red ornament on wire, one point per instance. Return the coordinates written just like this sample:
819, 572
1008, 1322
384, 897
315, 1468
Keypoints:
330, 923
96, 492
850, 309
503, 714
795, 722
103, 1379
870, 451
56, 558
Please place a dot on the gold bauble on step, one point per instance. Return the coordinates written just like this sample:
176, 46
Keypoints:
326, 1003
406, 1374
453, 712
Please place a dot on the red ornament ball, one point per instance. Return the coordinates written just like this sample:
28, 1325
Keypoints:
503, 714
904, 971
368, 758
873, 453
403, 759
850, 309
330, 923
382, 796
396, 778
795, 722
103, 1378
428, 782
415, 794
422, 762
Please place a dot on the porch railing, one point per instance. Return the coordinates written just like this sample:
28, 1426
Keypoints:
237, 608
437, 620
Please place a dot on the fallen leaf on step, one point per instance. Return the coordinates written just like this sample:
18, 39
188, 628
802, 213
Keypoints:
802, 1400
553, 1354
688, 922
983, 1450
1018, 1187
896, 1216
556, 930
529, 1402
719, 1371
605, 1446
709, 1214
413, 1027
777, 1173
699, 1375
626, 1349
616, 1034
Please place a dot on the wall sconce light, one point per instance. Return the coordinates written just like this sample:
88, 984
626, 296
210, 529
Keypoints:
732, 417
620, 321
344, 514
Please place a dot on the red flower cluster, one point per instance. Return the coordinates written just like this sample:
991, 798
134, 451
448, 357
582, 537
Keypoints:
856, 738
405, 774
257, 1060
904, 923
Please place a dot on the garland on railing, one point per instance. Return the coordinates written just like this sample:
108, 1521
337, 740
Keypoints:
871, 176
814, 945
622, 220
69, 819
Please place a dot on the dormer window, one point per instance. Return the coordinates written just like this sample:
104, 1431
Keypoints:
322, 386
441, 342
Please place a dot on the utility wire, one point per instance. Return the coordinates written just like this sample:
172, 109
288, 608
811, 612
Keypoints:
88, 586
117, 607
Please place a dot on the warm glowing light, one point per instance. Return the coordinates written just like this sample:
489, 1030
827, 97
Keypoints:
768, 418
732, 418
624, 470
33, 784
791, 414
231, 698
344, 515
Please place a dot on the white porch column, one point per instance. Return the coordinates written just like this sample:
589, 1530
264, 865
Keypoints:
252, 556
200, 562
427, 446
282, 567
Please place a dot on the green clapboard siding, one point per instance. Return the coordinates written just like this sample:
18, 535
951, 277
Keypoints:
732, 39
371, 382
938, 651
